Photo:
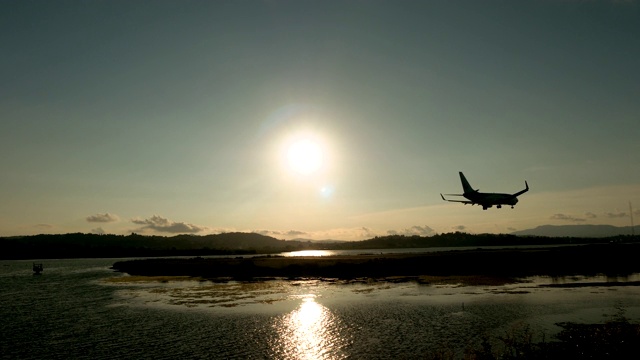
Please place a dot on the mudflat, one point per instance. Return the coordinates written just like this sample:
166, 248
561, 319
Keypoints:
505, 264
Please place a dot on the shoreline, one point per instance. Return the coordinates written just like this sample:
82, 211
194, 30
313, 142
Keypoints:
495, 266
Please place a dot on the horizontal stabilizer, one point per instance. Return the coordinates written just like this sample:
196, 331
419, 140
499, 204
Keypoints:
523, 191
459, 201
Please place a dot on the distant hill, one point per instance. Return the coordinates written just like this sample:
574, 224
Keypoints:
596, 231
93, 245
79, 245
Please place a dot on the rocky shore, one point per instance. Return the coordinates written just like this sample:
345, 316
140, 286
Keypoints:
608, 259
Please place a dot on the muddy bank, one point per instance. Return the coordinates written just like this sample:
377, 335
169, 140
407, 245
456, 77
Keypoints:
608, 259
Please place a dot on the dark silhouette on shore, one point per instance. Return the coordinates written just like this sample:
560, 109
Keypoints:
37, 268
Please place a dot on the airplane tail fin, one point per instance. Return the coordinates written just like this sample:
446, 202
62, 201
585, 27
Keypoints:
465, 184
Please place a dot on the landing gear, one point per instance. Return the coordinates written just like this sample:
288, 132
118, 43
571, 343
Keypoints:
499, 206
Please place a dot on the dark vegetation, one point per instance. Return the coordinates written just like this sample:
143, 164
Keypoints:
79, 245
615, 339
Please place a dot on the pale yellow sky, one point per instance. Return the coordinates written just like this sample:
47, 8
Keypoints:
184, 125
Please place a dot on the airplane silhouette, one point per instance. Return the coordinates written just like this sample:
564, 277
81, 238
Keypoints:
486, 200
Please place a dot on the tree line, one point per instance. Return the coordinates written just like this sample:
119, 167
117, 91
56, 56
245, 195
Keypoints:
81, 245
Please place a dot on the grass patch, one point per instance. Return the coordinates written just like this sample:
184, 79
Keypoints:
616, 339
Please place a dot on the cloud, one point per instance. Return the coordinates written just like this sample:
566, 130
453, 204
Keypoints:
102, 218
292, 233
98, 230
414, 230
162, 224
616, 215
221, 230
590, 215
345, 234
512, 229
365, 233
43, 226
295, 233
565, 217
460, 228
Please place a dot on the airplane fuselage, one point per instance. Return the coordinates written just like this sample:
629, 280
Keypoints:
486, 200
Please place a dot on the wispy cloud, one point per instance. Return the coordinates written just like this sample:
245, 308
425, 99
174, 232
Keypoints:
162, 224
347, 234
565, 217
615, 215
268, 232
43, 226
290, 233
590, 215
366, 232
359, 233
460, 228
98, 230
102, 218
414, 230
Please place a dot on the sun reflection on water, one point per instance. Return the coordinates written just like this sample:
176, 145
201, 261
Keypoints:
309, 332
309, 253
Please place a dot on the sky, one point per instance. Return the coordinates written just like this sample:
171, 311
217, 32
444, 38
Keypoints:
316, 119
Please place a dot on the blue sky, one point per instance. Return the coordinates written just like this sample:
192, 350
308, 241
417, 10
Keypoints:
174, 116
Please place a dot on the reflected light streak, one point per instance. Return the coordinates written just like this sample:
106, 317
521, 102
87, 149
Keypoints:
309, 253
309, 332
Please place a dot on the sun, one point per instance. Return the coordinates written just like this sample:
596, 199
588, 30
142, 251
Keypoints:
305, 156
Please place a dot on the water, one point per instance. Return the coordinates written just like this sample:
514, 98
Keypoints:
411, 250
81, 309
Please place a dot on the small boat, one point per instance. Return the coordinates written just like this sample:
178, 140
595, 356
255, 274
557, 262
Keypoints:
37, 268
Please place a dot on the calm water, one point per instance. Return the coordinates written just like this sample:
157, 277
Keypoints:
412, 250
81, 309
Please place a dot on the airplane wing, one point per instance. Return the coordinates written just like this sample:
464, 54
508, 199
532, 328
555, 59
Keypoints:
523, 191
460, 201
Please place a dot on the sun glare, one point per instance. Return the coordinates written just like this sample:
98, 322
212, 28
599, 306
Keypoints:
305, 156
309, 332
